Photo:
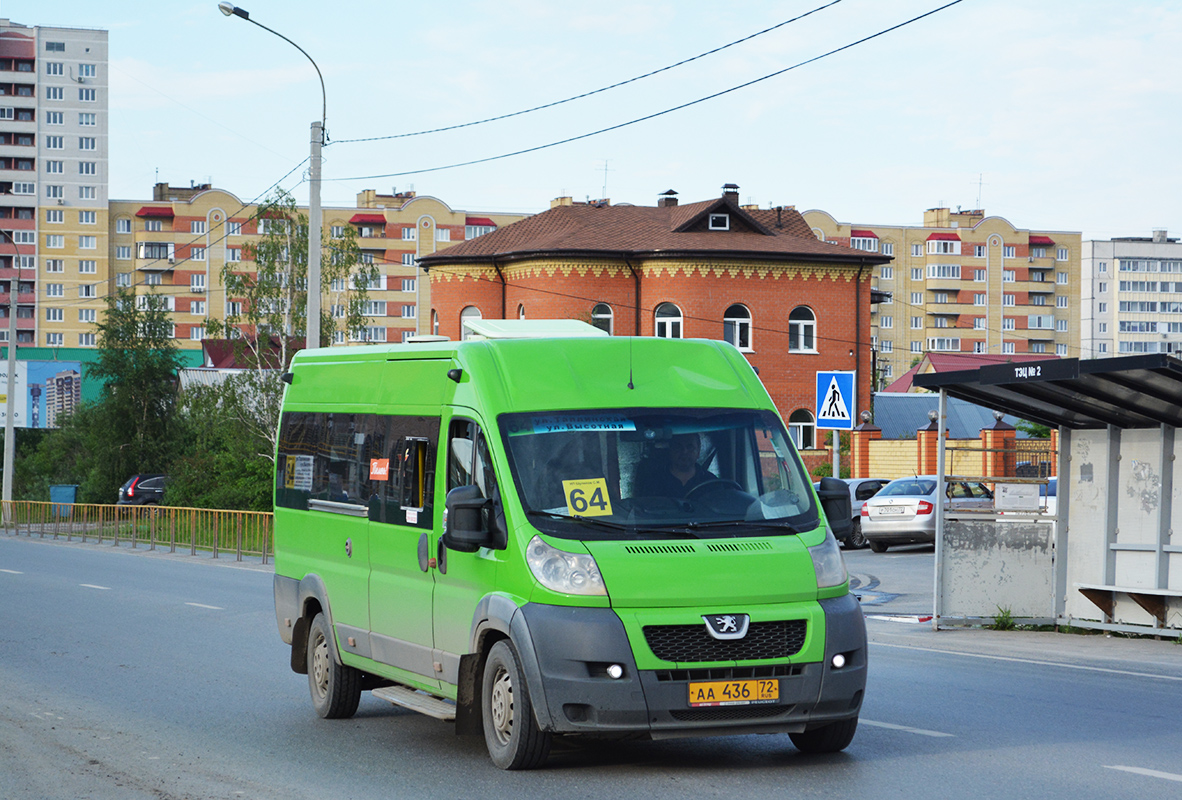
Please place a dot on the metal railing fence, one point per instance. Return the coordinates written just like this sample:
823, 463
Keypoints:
217, 532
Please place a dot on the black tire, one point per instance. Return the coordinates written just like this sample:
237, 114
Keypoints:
878, 547
831, 738
511, 733
335, 688
856, 540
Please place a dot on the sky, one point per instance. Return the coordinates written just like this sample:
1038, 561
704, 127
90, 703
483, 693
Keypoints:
1059, 115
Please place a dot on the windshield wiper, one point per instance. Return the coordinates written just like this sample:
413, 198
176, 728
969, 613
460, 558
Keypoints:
745, 524
590, 521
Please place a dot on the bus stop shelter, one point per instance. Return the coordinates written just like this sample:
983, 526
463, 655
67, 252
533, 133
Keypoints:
1108, 559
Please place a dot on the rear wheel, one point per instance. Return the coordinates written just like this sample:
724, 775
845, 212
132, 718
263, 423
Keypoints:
856, 540
831, 738
511, 733
878, 547
335, 688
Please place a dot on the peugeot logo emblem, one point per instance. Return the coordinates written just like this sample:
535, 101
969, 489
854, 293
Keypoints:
727, 626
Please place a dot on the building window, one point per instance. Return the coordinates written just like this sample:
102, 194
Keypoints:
887, 273
944, 247
55, 47
469, 313
408, 259
87, 217
87, 143
443, 234
1060, 302
410, 234
940, 297
408, 311
196, 333
1009, 251
917, 298
409, 284
917, 273
1061, 254
55, 215
978, 251
54, 167
944, 271
1008, 299
1060, 277
55, 265
153, 225
55, 240
1009, 276
23, 237
979, 298
1008, 324
123, 225
719, 222
123, 252
1038, 347
374, 308
55, 339
55, 315
944, 344
197, 307
196, 253
1061, 325
1102, 308
336, 231
51, 192
54, 68
802, 330
1038, 299
940, 322
886, 322
736, 326
234, 228
86, 95
87, 119
434, 322
1040, 322
867, 243
802, 430
979, 275
55, 142
601, 317
886, 346
87, 290
888, 249
87, 193
978, 347
1038, 252
88, 266
979, 323
86, 340
51, 117
86, 70
233, 254
88, 242
87, 168
917, 347
123, 279
668, 322
473, 231
197, 226
917, 323
55, 290
917, 250
1007, 348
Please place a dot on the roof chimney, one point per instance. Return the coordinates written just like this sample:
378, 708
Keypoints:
730, 192
667, 199
1159, 236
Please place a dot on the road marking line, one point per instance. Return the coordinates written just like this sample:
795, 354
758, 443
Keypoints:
202, 605
904, 728
93, 586
1033, 661
12, 572
1152, 773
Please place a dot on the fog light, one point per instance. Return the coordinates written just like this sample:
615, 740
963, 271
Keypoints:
838, 661
615, 671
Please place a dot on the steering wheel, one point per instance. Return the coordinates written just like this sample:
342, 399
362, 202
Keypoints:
715, 483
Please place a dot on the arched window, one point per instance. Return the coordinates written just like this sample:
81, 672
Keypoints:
802, 331
521, 311
434, 322
800, 426
668, 319
469, 312
601, 317
736, 326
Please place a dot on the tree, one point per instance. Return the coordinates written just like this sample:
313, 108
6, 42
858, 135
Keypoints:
268, 305
1033, 429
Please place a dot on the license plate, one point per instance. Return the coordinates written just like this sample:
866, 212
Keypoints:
891, 510
733, 693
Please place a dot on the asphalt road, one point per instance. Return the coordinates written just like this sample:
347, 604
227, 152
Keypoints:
150, 676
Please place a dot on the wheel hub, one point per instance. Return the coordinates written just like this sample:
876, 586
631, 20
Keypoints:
501, 706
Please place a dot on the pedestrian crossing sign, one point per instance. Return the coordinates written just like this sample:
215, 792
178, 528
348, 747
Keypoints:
836, 400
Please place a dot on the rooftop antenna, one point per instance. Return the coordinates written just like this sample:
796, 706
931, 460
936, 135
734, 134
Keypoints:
980, 183
605, 171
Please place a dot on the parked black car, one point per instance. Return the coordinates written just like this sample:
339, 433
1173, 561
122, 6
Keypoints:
142, 490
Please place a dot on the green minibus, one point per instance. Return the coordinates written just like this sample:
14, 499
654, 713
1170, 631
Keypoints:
547, 531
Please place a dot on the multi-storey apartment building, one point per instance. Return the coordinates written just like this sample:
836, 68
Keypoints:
1132, 296
178, 243
53, 181
964, 282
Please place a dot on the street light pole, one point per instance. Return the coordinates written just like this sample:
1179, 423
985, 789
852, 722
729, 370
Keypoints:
315, 219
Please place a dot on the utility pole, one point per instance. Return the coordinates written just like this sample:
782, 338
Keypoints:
9, 400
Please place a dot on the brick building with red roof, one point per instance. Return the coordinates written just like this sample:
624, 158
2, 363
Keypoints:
758, 278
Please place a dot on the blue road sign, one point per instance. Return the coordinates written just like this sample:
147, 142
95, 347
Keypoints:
836, 400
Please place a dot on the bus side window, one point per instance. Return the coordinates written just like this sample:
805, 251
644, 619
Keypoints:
469, 463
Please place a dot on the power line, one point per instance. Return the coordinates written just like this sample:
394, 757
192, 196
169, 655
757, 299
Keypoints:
654, 115
593, 92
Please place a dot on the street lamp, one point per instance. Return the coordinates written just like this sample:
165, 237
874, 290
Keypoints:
9, 400
312, 337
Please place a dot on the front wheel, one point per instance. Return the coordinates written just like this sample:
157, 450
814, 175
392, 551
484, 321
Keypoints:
335, 688
511, 733
878, 547
831, 738
856, 540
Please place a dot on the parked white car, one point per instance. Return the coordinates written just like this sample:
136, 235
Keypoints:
903, 511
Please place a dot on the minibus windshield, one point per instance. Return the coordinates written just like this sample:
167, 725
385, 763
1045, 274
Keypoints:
658, 473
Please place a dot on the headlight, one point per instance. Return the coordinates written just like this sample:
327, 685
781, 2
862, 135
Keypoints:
828, 563
560, 571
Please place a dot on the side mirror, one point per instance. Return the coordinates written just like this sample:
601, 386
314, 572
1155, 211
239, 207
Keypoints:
835, 501
465, 529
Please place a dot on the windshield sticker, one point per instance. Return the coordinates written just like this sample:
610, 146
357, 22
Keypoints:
379, 469
586, 422
302, 474
587, 497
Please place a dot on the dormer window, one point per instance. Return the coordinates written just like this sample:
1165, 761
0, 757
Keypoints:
720, 222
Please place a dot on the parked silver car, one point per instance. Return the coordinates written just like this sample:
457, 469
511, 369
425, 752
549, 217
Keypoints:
903, 511
861, 490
